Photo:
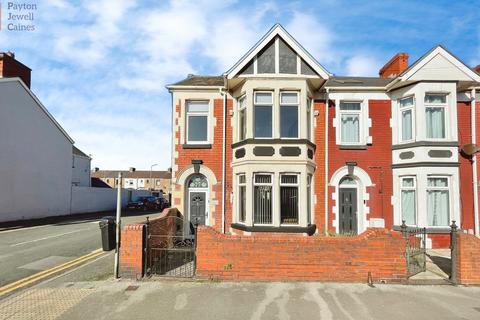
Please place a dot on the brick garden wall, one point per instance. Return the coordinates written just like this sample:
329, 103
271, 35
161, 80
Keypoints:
132, 257
468, 259
287, 258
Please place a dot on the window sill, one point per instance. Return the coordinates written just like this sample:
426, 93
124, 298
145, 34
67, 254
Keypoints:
439, 230
197, 146
271, 141
310, 230
352, 147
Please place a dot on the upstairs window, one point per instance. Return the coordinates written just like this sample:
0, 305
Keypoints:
242, 118
309, 119
289, 115
263, 114
438, 207
406, 118
350, 117
435, 105
197, 122
408, 203
266, 59
287, 58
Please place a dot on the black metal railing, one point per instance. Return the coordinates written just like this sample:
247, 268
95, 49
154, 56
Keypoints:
415, 250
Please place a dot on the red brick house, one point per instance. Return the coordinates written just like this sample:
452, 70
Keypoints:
258, 150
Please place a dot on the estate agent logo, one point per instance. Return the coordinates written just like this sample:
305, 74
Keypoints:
18, 16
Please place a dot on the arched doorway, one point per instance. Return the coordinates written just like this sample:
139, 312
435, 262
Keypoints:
197, 193
348, 206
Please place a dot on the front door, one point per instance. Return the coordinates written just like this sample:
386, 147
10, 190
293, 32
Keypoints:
197, 208
348, 211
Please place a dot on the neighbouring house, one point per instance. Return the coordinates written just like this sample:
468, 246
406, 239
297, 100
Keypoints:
81, 168
154, 181
279, 144
41, 172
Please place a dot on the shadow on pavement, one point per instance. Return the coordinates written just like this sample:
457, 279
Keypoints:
70, 219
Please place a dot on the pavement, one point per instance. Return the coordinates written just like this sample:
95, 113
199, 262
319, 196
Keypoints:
112, 299
29, 248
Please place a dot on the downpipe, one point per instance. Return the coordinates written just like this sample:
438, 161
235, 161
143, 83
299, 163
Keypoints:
474, 163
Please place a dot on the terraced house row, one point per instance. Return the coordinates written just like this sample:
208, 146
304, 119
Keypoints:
279, 144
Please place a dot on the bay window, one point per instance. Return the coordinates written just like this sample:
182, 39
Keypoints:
438, 202
242, 198
406, 117
262, 198
263, 103
289, 115
197, 121
350, 117
408, 200
242, 118
289, 199
435, 106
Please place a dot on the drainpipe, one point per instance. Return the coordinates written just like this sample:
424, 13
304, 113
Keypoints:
326, 160
224, 155
474, 163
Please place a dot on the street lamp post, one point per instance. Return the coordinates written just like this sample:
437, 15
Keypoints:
151, 169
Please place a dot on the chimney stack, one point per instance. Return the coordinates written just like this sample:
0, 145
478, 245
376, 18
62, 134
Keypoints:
477, 68
395, 66
10, 67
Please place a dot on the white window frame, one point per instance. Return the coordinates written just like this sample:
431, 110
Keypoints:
297, 104
445, 112
272, 201
310, 195
241, 184
401, 110
361, 120
414, 189
309, 119
197, 114
297, 185
447, 188
242, 109
271, 105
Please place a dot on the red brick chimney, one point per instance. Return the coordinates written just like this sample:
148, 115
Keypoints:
477, 68
9, 68
395, 66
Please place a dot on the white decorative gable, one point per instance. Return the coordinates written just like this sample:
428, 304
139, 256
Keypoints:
439, 64
277, 53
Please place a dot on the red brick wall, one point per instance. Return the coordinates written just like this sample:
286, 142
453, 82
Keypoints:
212, 158
440, 240
466, 174
468, 259
284, 258
133, 242
319, 177
376, 160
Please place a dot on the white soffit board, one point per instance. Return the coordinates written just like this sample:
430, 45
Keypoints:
441, 65
278, 30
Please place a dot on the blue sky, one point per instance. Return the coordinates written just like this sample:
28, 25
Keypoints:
101, 67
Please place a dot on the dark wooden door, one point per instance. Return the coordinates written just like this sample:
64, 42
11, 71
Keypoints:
197, 208
348, 211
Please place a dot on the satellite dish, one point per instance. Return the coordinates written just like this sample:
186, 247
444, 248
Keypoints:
470, 149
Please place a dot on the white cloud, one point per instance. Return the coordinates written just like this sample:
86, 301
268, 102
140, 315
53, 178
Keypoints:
362, 65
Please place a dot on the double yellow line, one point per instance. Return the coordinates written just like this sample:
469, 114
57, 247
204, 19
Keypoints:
46, 273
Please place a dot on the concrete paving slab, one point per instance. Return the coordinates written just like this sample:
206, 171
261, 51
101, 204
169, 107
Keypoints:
292, 300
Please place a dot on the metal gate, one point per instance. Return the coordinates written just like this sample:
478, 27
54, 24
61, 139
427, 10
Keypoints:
171, 254
415, 251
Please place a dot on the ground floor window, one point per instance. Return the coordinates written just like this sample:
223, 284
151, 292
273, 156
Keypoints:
438, 201
289, 199
242, 197
262, 199
408, 200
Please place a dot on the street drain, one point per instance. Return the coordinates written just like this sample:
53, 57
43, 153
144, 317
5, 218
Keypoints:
131, 288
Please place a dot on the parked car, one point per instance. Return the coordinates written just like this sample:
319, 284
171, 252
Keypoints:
143, 203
